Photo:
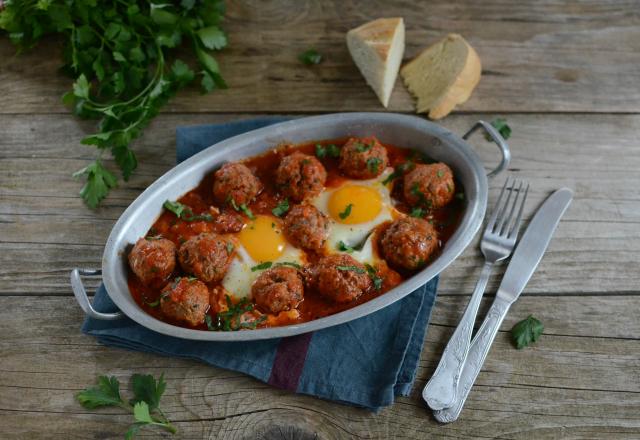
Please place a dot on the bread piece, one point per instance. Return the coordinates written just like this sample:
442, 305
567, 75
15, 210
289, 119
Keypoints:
443, 75
377, 48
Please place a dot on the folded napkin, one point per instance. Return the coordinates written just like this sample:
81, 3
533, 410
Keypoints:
365, 362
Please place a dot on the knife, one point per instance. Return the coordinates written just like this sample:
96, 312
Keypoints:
523, 263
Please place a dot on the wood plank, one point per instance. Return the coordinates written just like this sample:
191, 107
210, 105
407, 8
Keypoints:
46, 231
551, 56
579, 381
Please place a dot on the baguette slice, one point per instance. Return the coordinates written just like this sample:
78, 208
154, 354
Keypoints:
377, 48
443, 75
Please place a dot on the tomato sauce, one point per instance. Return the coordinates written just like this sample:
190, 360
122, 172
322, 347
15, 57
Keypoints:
200, 200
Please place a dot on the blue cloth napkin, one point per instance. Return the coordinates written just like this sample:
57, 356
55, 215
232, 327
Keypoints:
366, 362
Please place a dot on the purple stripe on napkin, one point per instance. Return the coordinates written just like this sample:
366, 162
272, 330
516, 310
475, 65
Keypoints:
289, 361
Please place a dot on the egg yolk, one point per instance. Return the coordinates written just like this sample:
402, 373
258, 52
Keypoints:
353, 204
263, 238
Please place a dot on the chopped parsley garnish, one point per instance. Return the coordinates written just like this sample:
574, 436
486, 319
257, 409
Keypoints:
415, 190
373, 163
329, 150
155, 303
342, 246
361, 148
355, 269
503, 128
262, 266
373, 274
243, 208
347, 211
184, 212
526, 332
417, 212
310, 57
144, 405
399, 171
231, 319
230, 248
281, 209
440, 173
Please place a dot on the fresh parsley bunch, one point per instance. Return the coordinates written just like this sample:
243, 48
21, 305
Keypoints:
144, 405
118, 52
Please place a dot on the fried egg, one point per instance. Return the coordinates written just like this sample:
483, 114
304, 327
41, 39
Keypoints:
260, 242
356, 207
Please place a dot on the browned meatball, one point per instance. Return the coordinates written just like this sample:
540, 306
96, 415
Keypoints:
278, 289
235, 183
340, 278
306, 227
364, 158
300, 176
186, 299
408, 243
153, 260
429, 185
206, 256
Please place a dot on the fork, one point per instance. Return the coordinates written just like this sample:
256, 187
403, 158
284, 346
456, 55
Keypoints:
497, 243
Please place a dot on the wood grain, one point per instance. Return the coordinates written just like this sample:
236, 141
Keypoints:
46, 231
550, 56
577, 381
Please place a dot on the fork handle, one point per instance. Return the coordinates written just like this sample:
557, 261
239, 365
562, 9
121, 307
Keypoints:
480, 347
440, 391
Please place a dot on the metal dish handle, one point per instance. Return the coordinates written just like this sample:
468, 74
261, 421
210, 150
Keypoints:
81, 295
498, 139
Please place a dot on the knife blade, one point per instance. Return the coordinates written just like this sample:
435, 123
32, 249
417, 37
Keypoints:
523, 263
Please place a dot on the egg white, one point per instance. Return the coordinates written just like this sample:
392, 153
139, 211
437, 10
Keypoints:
354, 234
239, 277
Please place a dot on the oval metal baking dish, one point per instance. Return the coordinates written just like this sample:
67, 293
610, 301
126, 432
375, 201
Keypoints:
405, 131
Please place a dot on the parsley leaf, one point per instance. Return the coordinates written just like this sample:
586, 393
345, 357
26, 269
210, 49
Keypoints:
231, 319
288, 263
147, 389
503, 128
373, 163
119, 56
330, 150
310, 57
347, 211
355, 269
244, 208
107, 393
375, 278
342, 246
281, 209
144, 406
417, 212
261, 266
185, 213
399, 171
526, 332
362, 147
99, 181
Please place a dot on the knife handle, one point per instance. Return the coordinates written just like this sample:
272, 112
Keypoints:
478, 351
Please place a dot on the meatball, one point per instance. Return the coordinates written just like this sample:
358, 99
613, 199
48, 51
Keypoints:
340, 278
278, 289
186, 299
408, 243
300, 176
235, 182
363, 158
306, 227
207, 256
153, 260
430, 185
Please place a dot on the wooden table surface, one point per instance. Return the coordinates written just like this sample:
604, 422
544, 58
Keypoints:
566, 75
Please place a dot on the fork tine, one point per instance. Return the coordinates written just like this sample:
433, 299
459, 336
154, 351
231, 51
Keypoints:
496, 208
509, 220
504, 208
516, 226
